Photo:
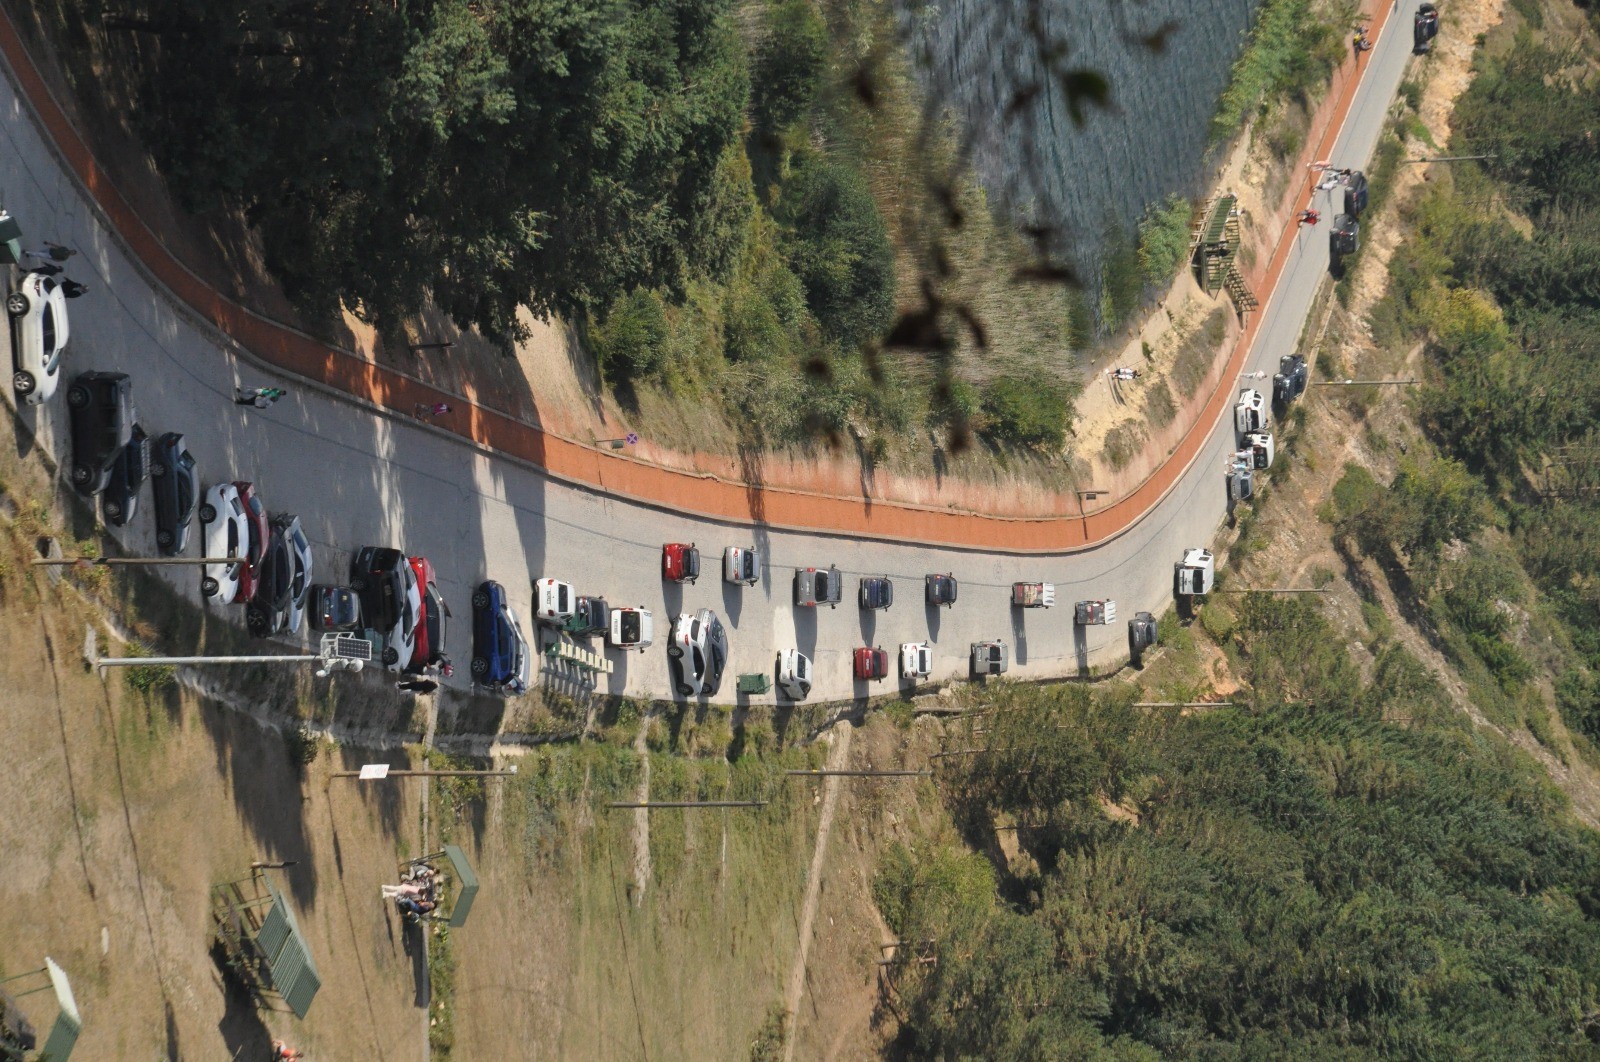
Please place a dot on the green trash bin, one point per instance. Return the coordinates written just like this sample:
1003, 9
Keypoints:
754, 683
10, 240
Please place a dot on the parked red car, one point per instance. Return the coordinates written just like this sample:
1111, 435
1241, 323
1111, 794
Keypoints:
431, 624
255, 514
680, 563
872, 664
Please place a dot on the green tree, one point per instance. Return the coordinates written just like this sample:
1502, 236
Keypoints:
837, 244
789, 64
548, 153
1430, 505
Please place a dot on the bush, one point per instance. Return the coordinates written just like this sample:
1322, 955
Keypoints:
837, 244
789, 64
1164, 239
631, 343
1026, 412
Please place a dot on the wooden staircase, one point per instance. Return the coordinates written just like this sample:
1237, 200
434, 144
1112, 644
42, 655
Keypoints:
1243, 299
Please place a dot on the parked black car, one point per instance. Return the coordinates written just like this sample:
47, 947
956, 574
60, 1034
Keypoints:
942, 589
333, 608
268, 612
1424, 28
1290, 381
1355, 194
121, 498
591, 615
175, 485
1345, 236
377, 579
876, 592
101, 405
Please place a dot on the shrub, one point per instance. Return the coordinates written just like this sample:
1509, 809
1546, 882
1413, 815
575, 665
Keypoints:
1026, 412
631, 342
838, 245
1164, 239
789, 64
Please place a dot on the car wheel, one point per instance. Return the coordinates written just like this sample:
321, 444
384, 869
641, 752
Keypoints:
208, 586
480, 666
358, 584
22, 382
256, 620
686, 690
208, 513
81, 474
480, 599
77, 397
112, 509
16, 304
391, 656
157, 469
164, 539
674, 652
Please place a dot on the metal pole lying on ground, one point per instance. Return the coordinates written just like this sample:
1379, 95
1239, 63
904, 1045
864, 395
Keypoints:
1291, 590
139, 661
386, 773
1361, 383
1183, 704
651, 804
136, 560
859, 774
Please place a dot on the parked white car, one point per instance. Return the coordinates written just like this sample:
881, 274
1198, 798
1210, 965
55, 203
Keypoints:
916, 660
225, 530
794, 674
631, 628
553, 601
1251, 413
38, 312
400, 642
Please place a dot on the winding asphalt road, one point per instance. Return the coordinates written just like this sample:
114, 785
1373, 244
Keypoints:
358, 474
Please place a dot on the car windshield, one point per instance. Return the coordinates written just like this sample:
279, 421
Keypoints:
630, 626
691, 562
185, 493
47, 323
433, 620
563, 600
822, 584
699, 661
747, 565
233, 539
502, 633
302, 548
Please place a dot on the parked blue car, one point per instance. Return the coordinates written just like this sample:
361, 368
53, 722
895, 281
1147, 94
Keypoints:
499, 649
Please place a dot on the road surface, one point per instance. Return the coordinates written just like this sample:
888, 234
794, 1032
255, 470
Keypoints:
359, 475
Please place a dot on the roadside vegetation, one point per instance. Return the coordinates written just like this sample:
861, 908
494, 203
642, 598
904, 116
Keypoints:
1500, 282
1337, 864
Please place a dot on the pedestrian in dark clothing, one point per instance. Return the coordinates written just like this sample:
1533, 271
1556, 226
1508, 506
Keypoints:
71, 288
418, 685
53, 252
46, 270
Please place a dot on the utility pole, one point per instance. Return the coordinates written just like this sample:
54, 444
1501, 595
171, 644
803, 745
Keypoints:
104, 561
377, 772
653, 805
1362, 383
858, 774
340, 652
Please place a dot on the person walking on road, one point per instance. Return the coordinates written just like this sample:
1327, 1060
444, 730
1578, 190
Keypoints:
260, 397
71, 288
417, 685
53, 252
1308, 217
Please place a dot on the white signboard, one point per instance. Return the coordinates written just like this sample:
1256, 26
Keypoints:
374, 771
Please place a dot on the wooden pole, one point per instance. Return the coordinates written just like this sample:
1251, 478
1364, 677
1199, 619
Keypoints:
858, 774
1183, 704
431, 774
656, 804
135, 560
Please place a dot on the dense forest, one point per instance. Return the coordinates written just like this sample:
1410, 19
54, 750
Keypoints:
686, 183
1341, 864
1338, 866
